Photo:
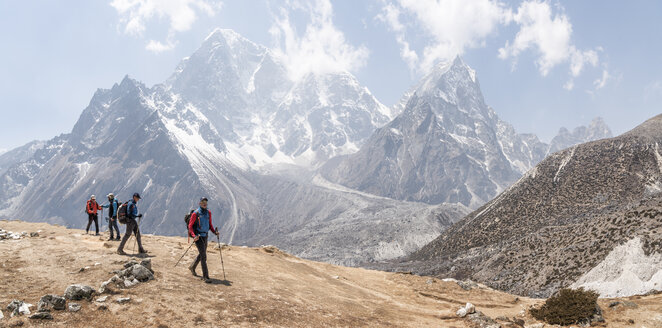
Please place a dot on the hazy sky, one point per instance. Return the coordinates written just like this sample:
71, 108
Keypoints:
541, 64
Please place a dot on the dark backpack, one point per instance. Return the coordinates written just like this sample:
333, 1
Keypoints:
187, 219
121, 213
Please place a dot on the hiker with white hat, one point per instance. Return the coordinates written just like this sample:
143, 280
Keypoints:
112, 206
92, 208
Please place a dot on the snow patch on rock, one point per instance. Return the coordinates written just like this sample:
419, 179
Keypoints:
626, 271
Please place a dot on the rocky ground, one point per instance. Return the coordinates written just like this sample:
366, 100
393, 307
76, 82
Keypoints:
264, 287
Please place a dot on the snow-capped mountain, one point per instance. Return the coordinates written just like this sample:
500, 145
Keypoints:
19, 154
265, 118
226, 112
447, 145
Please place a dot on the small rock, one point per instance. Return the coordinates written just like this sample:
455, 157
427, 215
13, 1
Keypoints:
1, 315
51, 302
130, 283
123, 300
470, 308
19, 307
147, 263
102, 299
429, 281
614, 304
130, 264
74, 307
34, 234
141, 273
462, 312
335, 277
44, 315
106, 287
102, 307
79, 292
535, 325
630, 321
97, 263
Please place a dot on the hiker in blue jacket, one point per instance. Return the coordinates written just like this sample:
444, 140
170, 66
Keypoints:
132, 225
198, 226
112, 206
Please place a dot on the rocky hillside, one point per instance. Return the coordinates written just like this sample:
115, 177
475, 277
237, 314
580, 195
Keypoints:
264, 287
563, 219
447, 145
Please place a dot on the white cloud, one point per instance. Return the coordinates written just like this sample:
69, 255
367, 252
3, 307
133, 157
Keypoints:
550, 36
181, 14
601, 82
322, 48
455, 26
452, 25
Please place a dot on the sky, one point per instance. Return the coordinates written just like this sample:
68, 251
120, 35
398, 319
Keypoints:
541, 65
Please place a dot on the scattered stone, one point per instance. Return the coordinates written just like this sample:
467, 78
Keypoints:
44, 315
470, 308
102, 307
1, 315
141, 273
51, 302
97, 263
74, 307
102, 299
429, 281
147, 263
465, 310
481, 320
123, 300
130, 283
19, 307
467, 285
34, 234
335, 277
535, 325
631, 305
79, 292
130, 264
630, 321
614, 304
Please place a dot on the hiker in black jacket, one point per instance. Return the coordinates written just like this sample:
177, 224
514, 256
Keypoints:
112, 206
132, 225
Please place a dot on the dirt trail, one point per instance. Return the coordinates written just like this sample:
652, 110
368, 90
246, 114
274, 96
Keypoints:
265, 287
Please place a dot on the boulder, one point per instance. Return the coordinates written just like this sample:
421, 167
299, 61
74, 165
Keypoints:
141, 273
74, 307
51, 302
44, 315
79, 292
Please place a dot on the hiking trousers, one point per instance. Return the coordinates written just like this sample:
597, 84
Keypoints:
112, 224
131, 227
92, 217
201, 245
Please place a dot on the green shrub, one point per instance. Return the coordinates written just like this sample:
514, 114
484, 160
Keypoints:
568, 307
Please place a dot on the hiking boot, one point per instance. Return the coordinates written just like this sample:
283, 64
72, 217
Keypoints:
111, 238
207, 280
120, 252
118, 238
192, 269
142, 251
97, 234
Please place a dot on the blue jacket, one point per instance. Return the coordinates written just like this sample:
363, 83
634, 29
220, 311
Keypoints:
113, 210
200, 223
132, 209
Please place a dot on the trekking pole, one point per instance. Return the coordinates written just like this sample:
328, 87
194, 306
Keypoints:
189, 247
220, 251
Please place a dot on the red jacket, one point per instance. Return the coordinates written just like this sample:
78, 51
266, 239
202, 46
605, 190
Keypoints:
92, 207
193, 219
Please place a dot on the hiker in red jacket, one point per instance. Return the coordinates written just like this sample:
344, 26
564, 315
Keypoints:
198, 226
92, 209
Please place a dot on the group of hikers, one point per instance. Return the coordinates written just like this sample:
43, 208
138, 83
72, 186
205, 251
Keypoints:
199, 223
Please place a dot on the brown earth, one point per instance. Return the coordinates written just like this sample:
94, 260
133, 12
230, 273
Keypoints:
265, 287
